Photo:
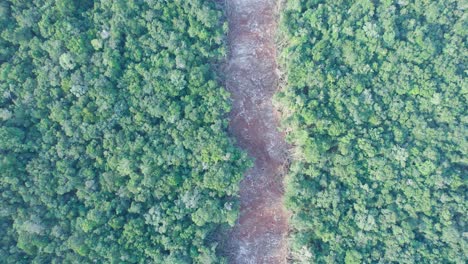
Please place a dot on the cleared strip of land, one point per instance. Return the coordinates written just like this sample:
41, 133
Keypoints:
260, 234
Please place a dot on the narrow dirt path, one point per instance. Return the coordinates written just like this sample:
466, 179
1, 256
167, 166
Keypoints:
260, 234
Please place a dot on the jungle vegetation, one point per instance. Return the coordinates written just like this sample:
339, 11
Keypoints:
113, 144
375, 104
112, 132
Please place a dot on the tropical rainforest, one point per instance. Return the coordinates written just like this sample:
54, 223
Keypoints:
112, 132
114, 145
375, 102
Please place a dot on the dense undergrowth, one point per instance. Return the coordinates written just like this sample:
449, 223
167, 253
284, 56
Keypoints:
112, 132
375, 105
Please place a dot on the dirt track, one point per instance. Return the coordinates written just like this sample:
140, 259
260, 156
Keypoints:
260, 234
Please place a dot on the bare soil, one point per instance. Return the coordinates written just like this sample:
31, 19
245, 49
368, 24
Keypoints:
251, 77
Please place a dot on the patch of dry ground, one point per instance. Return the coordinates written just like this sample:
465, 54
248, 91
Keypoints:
260, 234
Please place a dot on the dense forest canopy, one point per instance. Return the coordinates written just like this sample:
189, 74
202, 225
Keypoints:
375, 103
113, 146
112, 132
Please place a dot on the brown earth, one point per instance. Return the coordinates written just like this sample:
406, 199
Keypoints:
251, 76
